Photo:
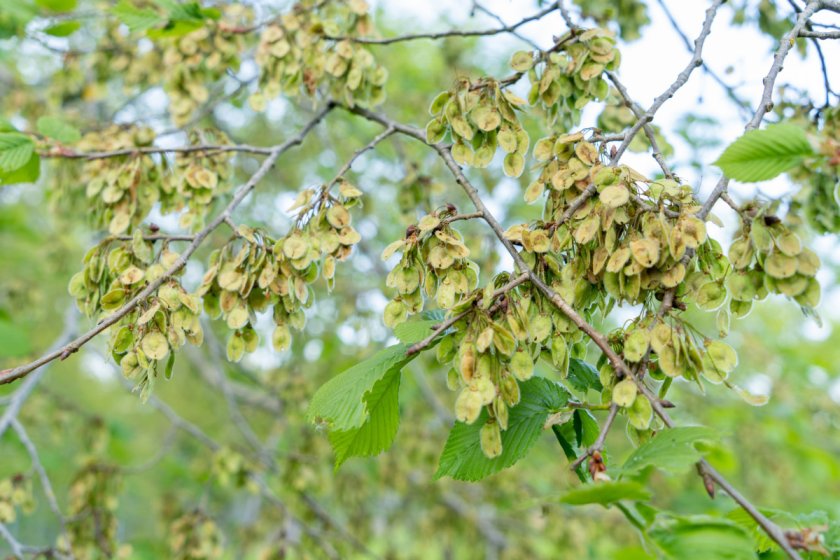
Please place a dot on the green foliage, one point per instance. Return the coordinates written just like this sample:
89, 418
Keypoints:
606, 493
760, 155
58, 129
230, 457
701, 538
462, 457
342, 402
672, 450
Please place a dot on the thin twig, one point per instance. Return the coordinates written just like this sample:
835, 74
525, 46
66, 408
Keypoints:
598, 445
766, 103
419, 346
451, 33
682, 78
14, 544
46, 485
730, 91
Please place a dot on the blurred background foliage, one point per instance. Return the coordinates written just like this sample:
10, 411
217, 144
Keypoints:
783, 455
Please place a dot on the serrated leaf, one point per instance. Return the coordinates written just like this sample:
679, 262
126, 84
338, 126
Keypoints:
760, 155
671, 450
415, 331
15, 151
606, 493
29, 173
58, 129
340, 402
377, 434
583, 376
462, 458
63, 29
137, 19
702, 538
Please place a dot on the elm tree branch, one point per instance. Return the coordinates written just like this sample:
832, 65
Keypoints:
9, 375
766, 103
615, 360
453, 33
730, 91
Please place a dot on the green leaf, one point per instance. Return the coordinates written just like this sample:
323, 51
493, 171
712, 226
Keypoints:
702, 538
605, 493
462, 458
583, 376
29, 173
135, 18
15, 151
671, 450
13, 341
341, 402
586, 428
58, 129
378, 433
759, 155
57, 5
415, 331
63, 29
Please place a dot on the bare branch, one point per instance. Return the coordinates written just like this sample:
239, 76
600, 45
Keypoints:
820, 34
453, 33
17, 548
766, 103
46, 485
730, 91
682, 78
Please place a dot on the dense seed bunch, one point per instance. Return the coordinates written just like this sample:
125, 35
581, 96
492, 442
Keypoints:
767, 257
197, 178
119, 54
496, 346
114, 273
480, 118
196, 59
121, 190
195, 536
255, 272
92, 508
296, 56
435, 262
15, 494
565, 79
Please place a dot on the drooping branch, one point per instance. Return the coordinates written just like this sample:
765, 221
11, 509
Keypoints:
9, 375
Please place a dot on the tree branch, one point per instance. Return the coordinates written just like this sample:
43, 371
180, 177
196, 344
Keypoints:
682, 78
730, 91
9, 375
453, 33
766, 103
